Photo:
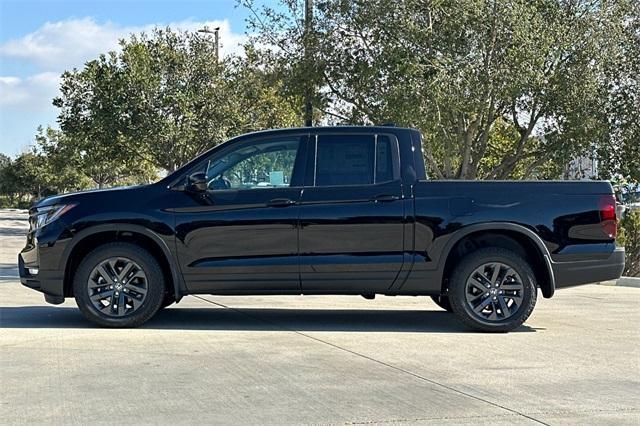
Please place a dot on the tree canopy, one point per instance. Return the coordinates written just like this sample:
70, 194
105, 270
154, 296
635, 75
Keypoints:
164, 99
500, 89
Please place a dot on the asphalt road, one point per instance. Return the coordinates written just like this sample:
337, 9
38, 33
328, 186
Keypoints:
320, 360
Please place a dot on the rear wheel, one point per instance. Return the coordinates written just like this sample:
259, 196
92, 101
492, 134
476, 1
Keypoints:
119, 285
443, 302
492, 289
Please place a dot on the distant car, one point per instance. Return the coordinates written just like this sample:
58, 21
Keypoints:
629, 197
632, 201
330, 210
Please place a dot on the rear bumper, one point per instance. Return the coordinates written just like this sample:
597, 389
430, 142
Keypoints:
568, 274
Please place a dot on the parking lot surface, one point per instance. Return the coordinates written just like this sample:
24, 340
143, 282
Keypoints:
319, 360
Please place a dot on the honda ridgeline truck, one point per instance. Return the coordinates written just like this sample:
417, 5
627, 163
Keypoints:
322, 210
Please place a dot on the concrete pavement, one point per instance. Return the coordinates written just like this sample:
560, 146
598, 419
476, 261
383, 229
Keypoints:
319, 360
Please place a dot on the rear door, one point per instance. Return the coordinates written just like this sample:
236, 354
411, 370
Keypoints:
351, 214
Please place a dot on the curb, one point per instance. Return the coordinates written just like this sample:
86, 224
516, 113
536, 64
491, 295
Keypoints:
14, 210
623, 282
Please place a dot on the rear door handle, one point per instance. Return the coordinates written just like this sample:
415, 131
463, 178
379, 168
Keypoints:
384, 198
280, 202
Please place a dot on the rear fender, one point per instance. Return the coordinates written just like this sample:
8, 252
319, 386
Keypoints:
547, 292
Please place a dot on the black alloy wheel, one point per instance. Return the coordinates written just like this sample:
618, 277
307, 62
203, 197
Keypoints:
493, 289
119, 285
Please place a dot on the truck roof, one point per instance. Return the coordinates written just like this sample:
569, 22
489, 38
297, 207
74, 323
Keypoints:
346, 129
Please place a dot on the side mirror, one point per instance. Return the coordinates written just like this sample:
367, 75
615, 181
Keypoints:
197, 182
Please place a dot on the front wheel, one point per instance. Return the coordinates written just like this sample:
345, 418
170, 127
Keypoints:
492, 289
119, 285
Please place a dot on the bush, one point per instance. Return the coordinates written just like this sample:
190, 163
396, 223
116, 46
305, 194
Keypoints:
5, 203
629, 237
14, 202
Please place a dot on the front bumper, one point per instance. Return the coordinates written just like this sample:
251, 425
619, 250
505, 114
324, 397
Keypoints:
51, 283
568, 274
44, 252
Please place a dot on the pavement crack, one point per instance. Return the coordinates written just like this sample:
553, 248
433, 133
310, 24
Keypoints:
385, 364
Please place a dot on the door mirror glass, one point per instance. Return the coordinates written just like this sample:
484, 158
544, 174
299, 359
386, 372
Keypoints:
197, 182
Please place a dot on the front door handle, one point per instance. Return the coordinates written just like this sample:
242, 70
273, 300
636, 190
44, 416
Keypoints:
280, 202
384, 198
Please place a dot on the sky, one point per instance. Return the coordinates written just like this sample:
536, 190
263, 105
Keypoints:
41, 39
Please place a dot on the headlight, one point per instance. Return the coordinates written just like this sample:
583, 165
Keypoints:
47, 214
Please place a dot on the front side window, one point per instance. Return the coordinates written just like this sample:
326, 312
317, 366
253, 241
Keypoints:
265, 164
353, 160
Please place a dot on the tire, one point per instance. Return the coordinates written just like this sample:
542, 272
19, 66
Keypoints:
483, 306
100, 283
443, 302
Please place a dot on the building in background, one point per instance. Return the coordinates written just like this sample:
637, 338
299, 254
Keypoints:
584, 167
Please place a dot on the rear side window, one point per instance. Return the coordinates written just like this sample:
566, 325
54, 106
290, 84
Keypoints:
353, 160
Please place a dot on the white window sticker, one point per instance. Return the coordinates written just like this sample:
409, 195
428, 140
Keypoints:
276, 178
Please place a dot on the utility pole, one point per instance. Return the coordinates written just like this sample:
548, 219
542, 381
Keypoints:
308, 57
216, 39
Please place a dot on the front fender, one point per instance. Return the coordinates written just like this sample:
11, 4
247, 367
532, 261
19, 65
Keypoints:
123, 228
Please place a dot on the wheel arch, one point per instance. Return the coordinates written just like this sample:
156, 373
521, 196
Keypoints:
507, 235
90, 238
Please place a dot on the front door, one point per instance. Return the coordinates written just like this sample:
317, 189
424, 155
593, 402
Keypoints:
241, 235
351, 214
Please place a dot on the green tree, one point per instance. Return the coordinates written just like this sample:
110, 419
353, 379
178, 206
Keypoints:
629, 237
61, 165
163, 100
620, 97
175, 95
9, 185
94, 119
44, 169
30, 175
183, 102
5, 160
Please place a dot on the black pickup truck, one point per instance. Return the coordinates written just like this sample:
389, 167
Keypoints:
326, 210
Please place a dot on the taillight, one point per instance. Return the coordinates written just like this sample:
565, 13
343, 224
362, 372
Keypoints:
608, 220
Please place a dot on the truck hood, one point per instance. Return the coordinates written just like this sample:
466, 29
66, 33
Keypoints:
80, 195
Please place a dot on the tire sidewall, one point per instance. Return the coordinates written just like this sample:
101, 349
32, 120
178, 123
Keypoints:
151, 268
457, 289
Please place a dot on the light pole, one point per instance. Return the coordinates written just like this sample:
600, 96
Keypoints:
307, 40
216, 38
